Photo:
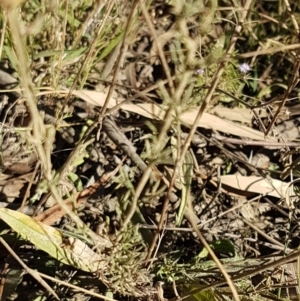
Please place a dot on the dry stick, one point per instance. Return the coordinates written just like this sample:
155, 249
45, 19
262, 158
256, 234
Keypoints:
268, 51
283, 25
30, 271
272, 145
262, 233
77, 288
200, 225
27, 192
154, 227
192, 220
263, 104
229, 210
89, 21
61, 47
114, 133
3, 273
3, 30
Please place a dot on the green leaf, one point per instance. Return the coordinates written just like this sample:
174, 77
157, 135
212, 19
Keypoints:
203, 254
204, 295
11, 56
270, 89
75, 179
74, 54
70, 251
113, 43
13, 277
222, 246
208, 295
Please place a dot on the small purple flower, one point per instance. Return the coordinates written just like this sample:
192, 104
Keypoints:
200, 71
244, 68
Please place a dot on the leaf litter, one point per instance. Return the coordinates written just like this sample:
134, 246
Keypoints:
229, 196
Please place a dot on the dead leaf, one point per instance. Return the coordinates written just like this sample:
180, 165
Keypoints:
55, 213
95, 98
154, 111
14, 164
225, 126
10, 189
254, 184
7, 81
243, 115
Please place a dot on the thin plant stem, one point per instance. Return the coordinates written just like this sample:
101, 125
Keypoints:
42, 137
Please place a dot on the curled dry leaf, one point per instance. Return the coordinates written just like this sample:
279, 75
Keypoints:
254, 184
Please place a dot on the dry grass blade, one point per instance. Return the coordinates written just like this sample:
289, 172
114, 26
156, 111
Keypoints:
271, 50
77, 288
